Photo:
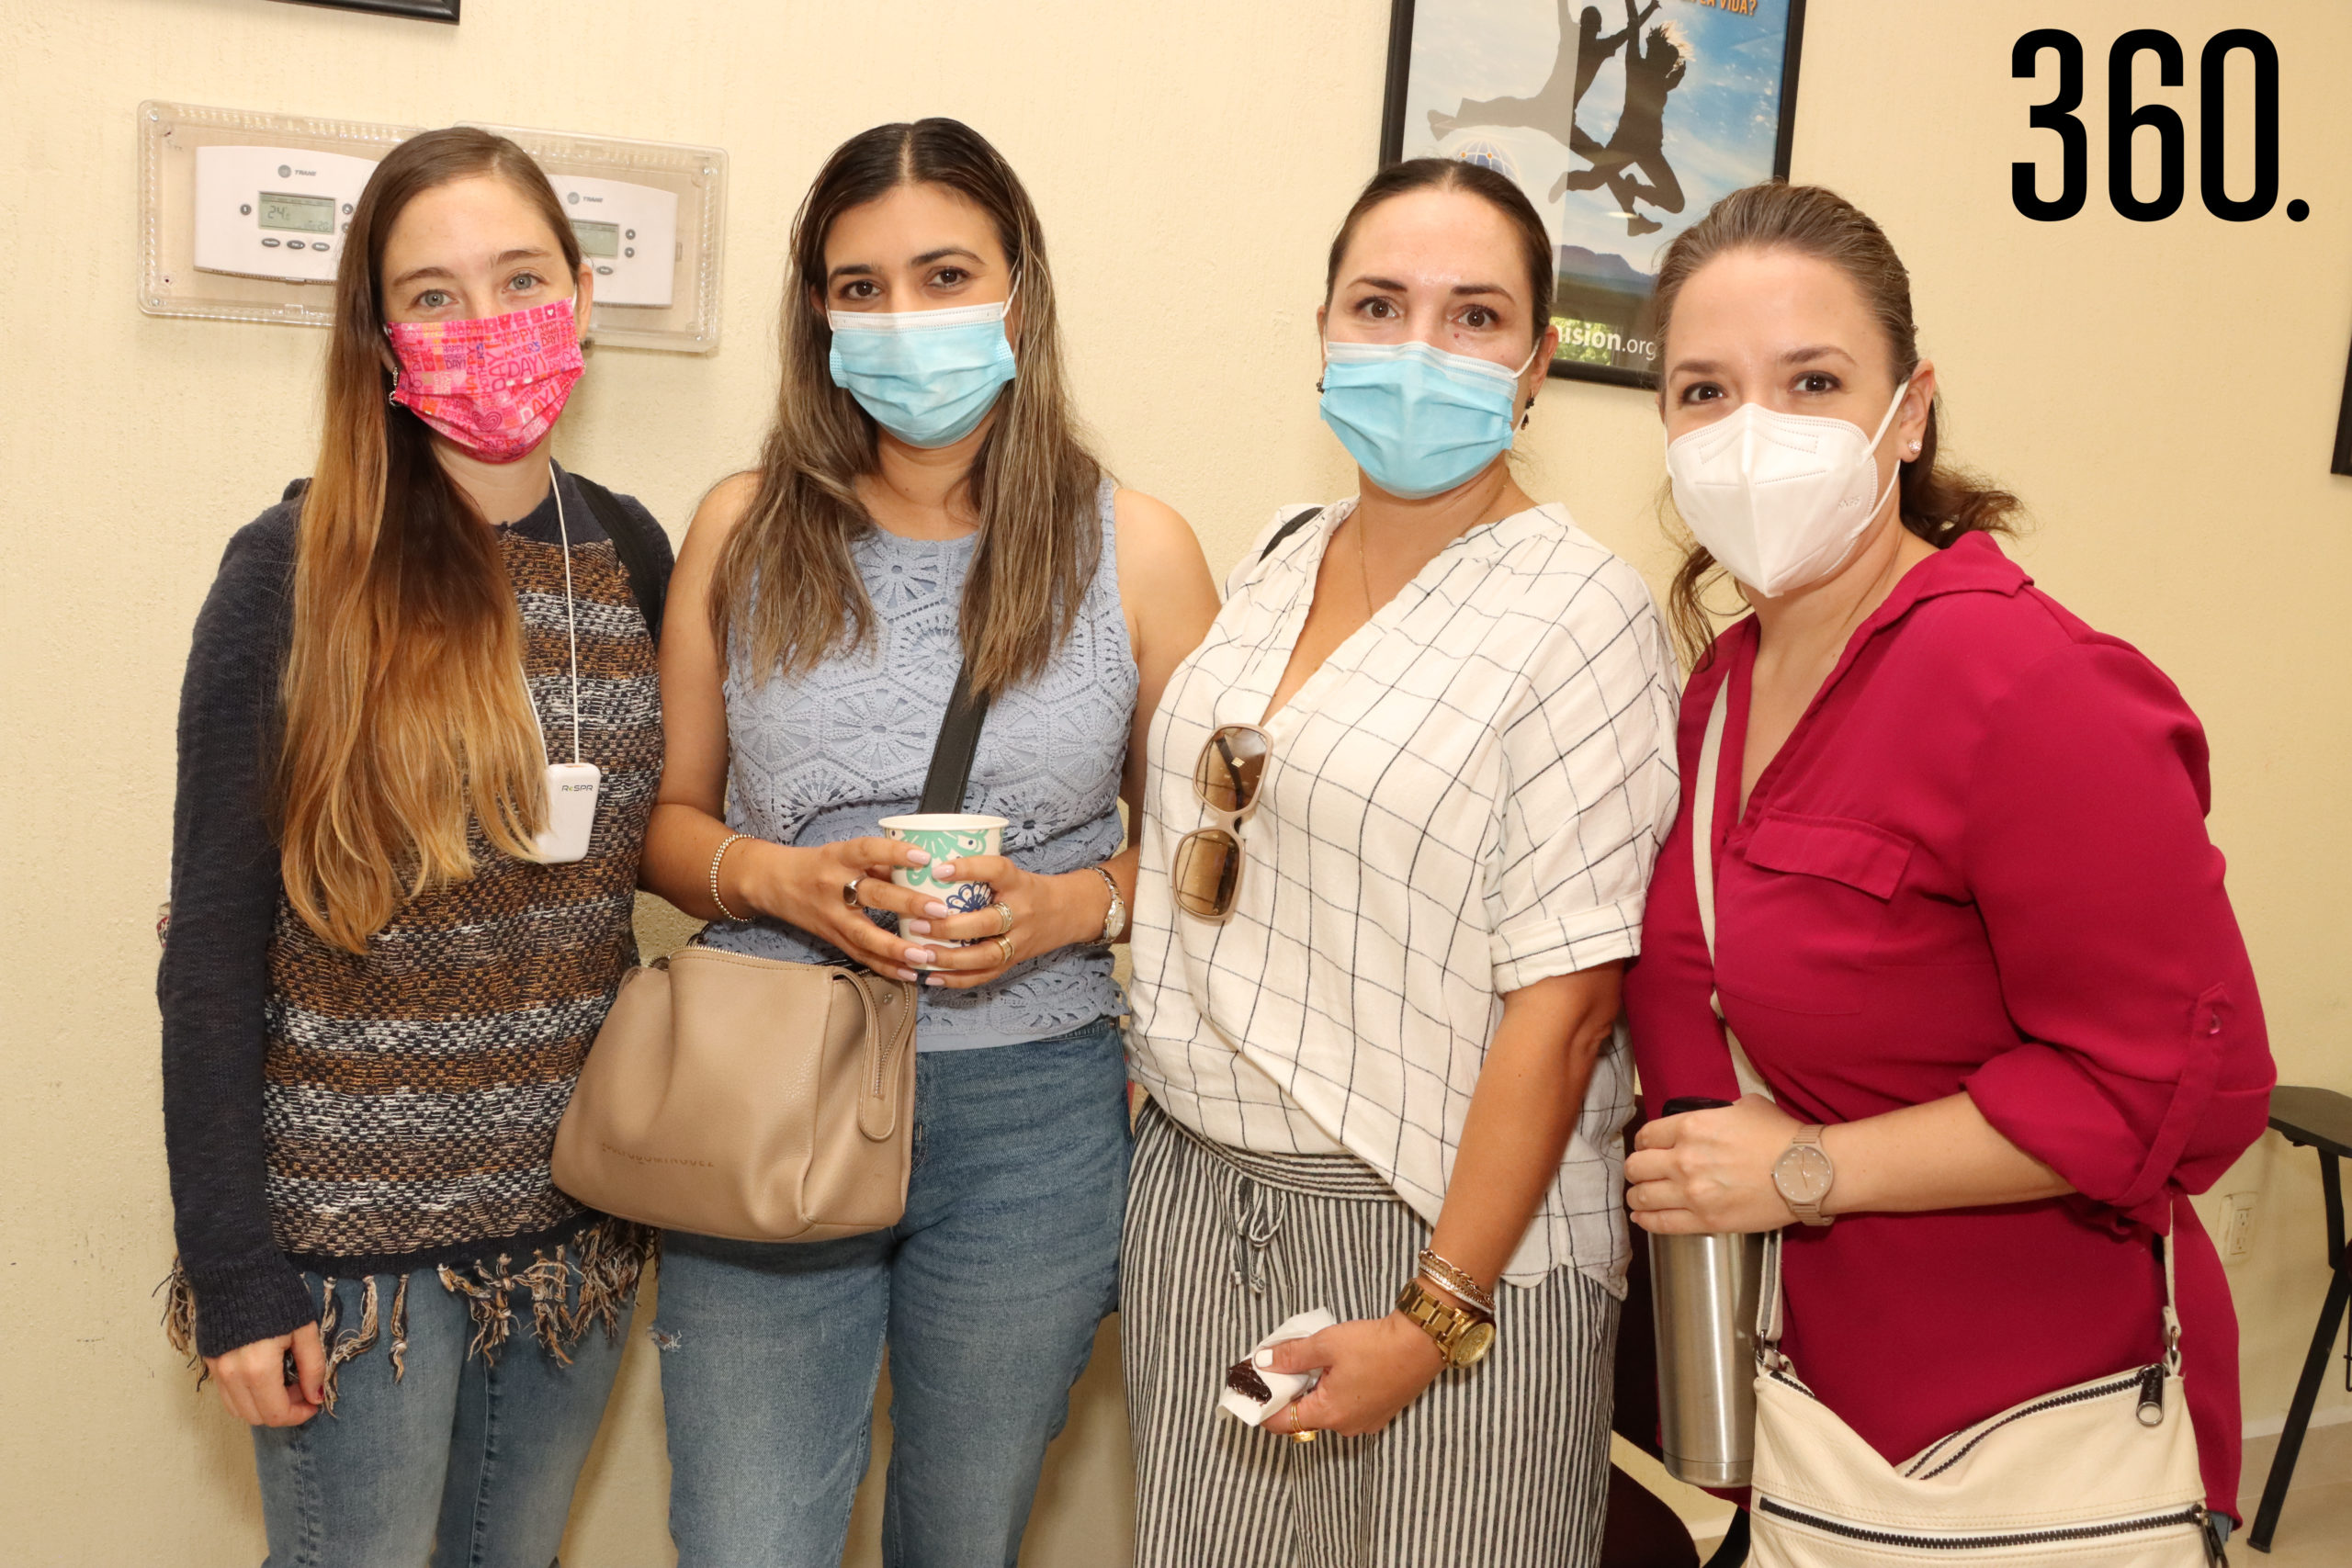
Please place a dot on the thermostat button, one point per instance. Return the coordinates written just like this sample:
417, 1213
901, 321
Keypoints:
603, 272
293, 244
271, 243
245, 209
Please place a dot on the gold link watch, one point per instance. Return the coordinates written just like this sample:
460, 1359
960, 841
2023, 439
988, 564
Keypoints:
1461, 1335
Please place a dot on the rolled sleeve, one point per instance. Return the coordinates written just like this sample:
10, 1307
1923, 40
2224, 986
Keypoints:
1589, 790
2145, 1067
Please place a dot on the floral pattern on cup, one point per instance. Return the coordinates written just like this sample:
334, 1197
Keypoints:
946, 836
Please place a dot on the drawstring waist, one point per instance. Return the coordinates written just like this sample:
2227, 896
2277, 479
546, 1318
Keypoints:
1257, 1176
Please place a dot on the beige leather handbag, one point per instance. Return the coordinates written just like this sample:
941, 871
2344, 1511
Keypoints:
748, 1097
754, 1098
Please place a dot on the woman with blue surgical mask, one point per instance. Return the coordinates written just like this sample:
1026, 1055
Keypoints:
1402, 808
924, 502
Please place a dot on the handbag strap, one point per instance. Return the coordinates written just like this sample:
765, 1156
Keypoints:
952, 753
643, 559
1288, 528
1702, 876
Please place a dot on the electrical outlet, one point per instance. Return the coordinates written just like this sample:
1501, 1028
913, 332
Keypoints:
2237, 1227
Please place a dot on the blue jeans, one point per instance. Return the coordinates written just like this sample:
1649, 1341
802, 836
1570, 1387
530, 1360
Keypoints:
463, 1462
987, 1293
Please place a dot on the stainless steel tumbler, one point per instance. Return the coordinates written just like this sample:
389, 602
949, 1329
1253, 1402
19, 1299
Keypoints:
1703, 1301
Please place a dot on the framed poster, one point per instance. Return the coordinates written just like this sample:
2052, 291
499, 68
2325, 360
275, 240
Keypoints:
2343, 463
1623, 121
419, 10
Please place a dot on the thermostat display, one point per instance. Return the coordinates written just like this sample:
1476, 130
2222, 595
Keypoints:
629, 234
274, 211
597, 239
311, 214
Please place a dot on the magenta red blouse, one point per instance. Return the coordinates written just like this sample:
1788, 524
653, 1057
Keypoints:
1979, 863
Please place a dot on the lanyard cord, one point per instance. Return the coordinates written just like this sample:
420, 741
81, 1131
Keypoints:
571, 613
572, 623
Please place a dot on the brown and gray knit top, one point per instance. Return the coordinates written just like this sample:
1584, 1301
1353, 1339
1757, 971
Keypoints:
362, 1115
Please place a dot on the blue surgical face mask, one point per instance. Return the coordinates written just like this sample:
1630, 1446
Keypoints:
1419, 420
927, 377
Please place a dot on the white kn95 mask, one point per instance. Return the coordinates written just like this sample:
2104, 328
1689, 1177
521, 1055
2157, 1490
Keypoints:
1780, 499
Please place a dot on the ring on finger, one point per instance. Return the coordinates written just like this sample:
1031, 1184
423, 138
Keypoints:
1003, 918
849, 892
1005, 945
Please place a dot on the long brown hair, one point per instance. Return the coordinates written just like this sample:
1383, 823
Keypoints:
787, 579
1938, 502
1453, 174
406, 712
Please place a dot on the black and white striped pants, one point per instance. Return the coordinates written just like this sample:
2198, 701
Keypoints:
1502, 1465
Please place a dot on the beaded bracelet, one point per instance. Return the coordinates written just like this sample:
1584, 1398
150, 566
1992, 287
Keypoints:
721, 855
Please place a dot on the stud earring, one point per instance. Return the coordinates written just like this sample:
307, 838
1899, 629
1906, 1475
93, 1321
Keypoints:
1914, 448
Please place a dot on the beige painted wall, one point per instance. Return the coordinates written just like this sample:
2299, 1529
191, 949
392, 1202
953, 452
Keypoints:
2164, 395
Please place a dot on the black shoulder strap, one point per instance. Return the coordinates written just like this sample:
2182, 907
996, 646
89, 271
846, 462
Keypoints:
951, 755
1287, 529
646, 577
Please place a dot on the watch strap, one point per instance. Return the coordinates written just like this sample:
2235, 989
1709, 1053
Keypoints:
1445, 1322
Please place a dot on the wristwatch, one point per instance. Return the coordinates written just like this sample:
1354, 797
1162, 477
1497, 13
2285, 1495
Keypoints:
1804, 1176
1461, 1335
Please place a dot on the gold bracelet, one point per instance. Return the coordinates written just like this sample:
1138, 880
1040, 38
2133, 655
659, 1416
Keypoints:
721, 854
1457, 1279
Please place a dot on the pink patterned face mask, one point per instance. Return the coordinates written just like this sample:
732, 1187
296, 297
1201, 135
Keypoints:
494, 384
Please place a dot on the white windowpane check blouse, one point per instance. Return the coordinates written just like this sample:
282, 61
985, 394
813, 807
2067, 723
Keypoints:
1467, 798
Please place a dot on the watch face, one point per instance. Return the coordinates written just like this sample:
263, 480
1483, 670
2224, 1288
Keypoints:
1802, 1174
1474, 1344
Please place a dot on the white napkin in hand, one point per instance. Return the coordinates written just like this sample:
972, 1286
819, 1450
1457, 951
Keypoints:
1245, 1379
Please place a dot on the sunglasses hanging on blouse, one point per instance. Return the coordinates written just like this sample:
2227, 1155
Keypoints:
1207, 870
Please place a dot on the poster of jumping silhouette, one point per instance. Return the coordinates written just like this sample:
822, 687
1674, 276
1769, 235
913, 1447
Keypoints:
1623, 121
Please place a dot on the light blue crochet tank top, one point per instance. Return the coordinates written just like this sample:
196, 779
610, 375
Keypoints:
826, 756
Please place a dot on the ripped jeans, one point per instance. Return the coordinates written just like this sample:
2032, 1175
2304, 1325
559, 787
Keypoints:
987, 1293
433, 1453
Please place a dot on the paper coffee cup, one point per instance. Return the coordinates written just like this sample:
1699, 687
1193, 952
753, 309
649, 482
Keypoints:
947, 836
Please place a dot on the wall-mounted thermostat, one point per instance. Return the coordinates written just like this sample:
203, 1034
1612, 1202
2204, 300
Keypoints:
629, 233
274, 211
651, 217
241, 214
242, 218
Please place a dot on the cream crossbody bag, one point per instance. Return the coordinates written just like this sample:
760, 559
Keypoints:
753, 1098
2103, 1474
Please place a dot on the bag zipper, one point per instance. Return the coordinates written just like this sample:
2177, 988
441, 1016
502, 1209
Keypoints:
2149, 1397
1986, 1540
882, 1055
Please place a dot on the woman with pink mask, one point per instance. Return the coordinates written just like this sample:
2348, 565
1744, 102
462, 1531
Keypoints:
419, 741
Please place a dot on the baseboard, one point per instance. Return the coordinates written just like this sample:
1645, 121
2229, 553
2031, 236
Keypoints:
2271, 1425
2326, 1458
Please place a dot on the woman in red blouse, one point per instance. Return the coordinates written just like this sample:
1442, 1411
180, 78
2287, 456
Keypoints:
1968, 917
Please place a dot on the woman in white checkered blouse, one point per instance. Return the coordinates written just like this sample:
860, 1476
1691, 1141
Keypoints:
1401, 809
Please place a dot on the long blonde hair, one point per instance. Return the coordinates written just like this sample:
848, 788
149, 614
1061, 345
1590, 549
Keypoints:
405, 715
787, 579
